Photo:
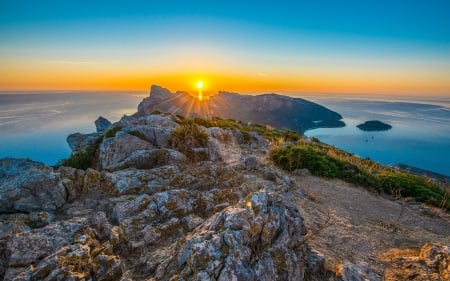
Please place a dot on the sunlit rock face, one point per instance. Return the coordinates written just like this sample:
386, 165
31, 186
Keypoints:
272, 109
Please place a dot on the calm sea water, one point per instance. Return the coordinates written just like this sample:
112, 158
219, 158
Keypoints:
420, 135
36, 125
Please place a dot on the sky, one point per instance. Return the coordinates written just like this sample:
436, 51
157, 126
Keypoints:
331, 47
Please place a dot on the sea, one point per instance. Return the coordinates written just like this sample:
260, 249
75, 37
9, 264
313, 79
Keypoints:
35, 125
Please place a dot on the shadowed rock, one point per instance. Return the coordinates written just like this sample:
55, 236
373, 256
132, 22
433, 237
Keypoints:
102, 124
272, 109
28, 186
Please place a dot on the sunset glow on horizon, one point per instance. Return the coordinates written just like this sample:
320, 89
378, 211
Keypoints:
379, 48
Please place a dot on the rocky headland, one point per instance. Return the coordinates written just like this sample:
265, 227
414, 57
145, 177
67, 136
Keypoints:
276, 110
159, 197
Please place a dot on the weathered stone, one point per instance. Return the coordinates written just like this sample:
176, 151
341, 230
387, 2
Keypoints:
115, 150
28, 186
260, 242
358, 272
250, 163
222, 145
102, 124
29, 247
80, 142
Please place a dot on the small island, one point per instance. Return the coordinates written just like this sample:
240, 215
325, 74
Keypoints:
374, 125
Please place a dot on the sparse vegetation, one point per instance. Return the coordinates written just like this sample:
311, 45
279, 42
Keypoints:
111, 132
81, 160
188, 138
327, 161
266, 131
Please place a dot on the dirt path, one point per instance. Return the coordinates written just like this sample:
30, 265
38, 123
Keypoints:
360, 226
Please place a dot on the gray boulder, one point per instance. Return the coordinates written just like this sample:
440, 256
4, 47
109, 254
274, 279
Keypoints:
156, 129
80, 142
29, 186
114, 150
102, 124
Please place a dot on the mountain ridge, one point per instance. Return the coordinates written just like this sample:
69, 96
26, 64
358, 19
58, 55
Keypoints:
272, 109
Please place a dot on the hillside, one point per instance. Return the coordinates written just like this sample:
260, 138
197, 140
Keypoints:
162, 197
271, 109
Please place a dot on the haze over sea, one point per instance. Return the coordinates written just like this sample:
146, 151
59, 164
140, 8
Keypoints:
35, 125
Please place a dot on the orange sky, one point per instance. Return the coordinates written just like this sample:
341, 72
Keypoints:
68, 76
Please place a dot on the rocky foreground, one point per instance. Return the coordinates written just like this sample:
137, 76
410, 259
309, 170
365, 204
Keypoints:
146, 211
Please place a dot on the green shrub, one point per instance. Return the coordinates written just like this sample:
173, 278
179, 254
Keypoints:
111, 132
187, 138
409, 186
81, 160
289, 135
299, 157
246, 135
324, 160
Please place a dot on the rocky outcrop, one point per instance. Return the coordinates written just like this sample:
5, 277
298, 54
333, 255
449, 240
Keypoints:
27, 186
125, 151
102, 124
259, 240
80, 142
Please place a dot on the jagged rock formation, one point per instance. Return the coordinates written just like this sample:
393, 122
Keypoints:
147, 212
272, 109
162, 220
102, 124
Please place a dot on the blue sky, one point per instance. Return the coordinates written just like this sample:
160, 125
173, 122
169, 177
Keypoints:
293, 40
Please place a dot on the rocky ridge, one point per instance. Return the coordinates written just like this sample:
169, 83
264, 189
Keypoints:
145, 211
276, 110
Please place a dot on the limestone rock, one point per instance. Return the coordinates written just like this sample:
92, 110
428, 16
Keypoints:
80, 142
257, 140
116, 149
250, 163
222, 145
29, 186
134, 180
29, 247
259, 241
156, 129
102, 124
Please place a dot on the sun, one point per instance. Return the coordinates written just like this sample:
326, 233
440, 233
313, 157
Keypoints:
200, 87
